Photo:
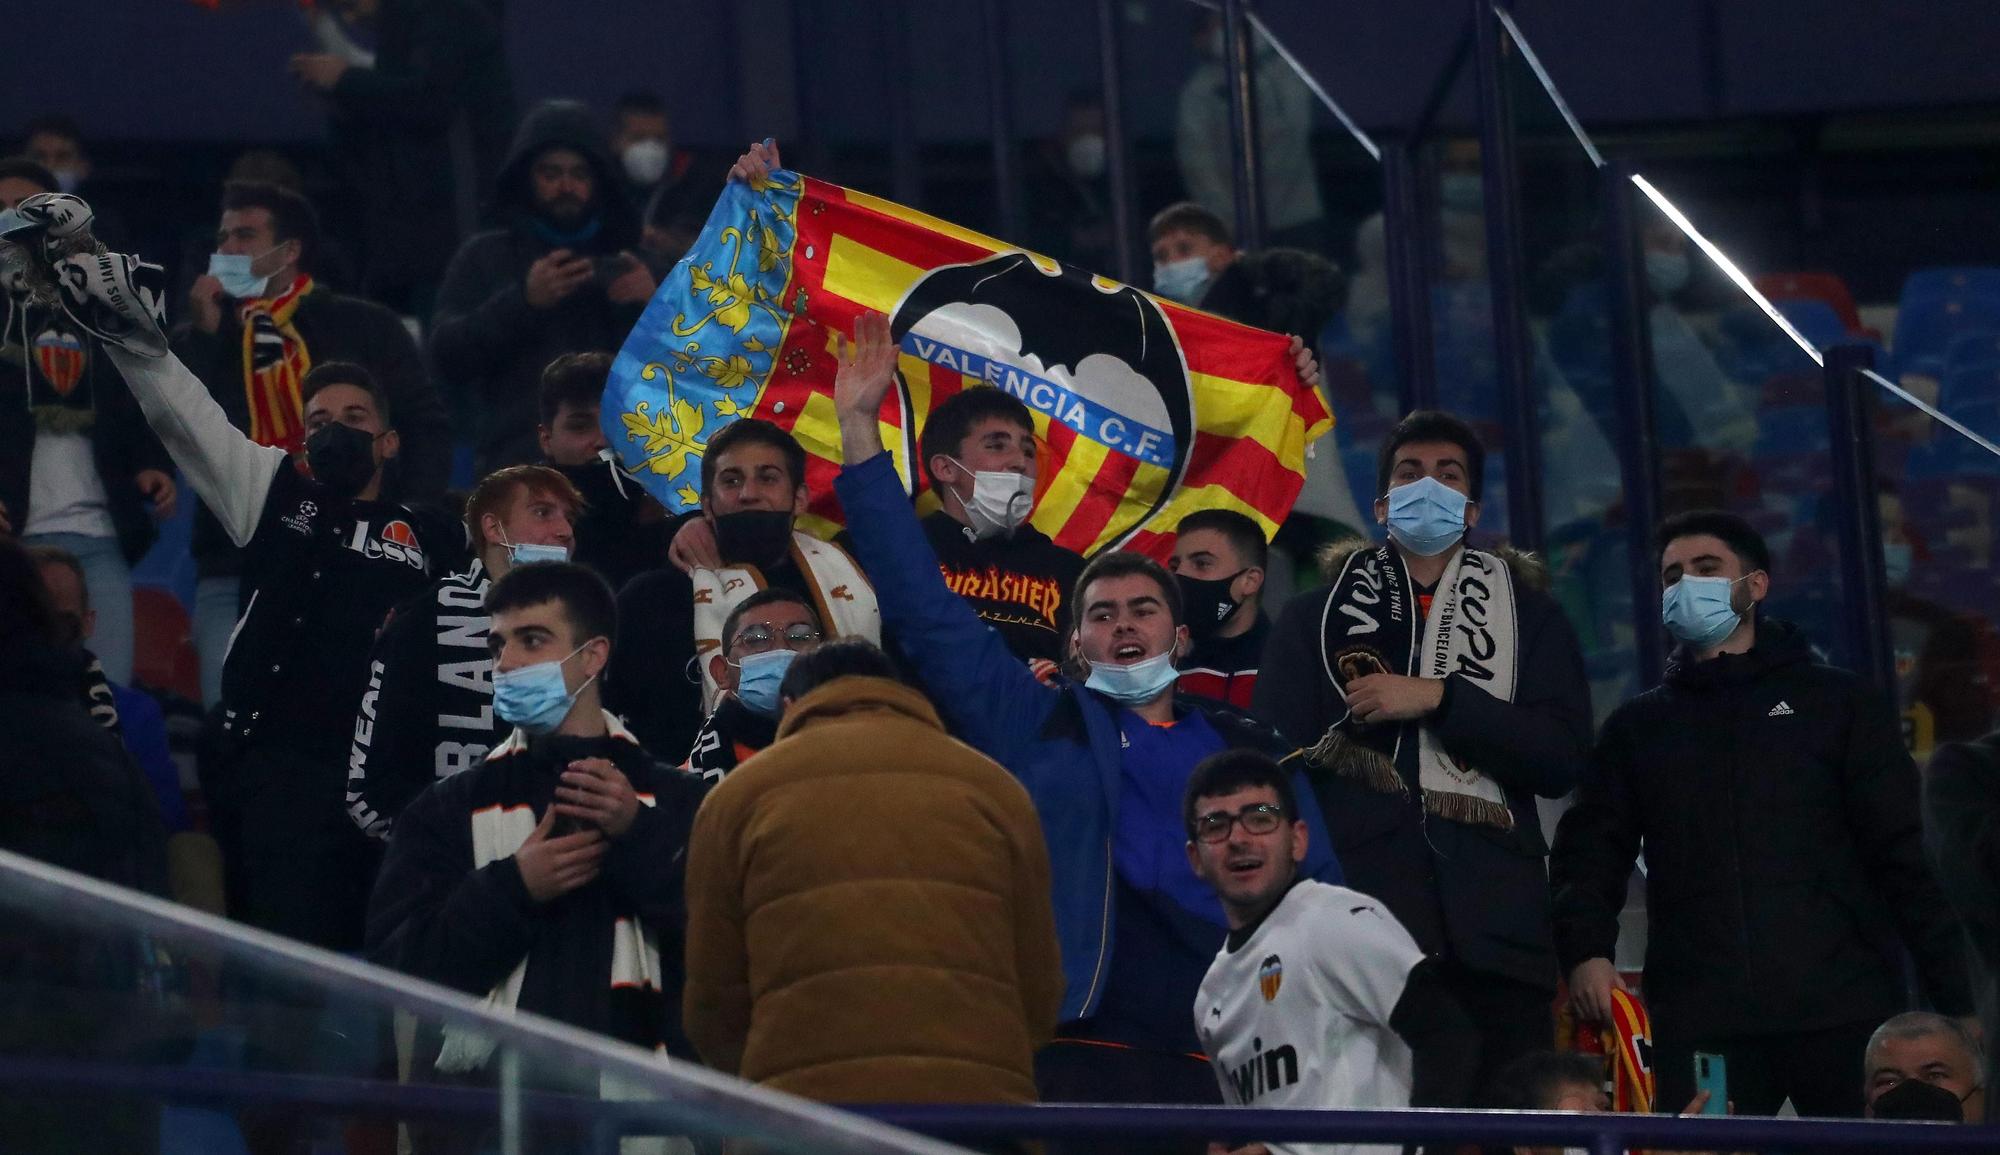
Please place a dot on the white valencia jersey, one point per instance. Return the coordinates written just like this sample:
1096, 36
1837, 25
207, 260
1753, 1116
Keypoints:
1298, 1016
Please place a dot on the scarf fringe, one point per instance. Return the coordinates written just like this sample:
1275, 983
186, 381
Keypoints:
1340, 755
1347, 758
1466, 809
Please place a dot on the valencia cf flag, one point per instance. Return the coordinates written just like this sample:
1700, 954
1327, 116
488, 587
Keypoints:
1146, 410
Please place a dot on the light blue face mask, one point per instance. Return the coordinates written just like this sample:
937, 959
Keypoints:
758, 677
1136, 684
1426, 516
1697, 611
1184, 280
1667, 273
534, 697
233, 270
528, 553
1462, 191
1897, 561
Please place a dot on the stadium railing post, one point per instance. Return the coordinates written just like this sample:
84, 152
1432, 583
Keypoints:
1519, 410
1854, 490
1403, 233
1632, 384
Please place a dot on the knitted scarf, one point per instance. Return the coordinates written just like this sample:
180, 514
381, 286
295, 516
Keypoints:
275, 363
1371, 625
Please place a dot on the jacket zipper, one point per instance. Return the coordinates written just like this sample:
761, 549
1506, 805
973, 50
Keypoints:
1103, 934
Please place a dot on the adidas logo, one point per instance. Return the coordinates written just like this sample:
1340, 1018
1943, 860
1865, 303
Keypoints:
1781, 710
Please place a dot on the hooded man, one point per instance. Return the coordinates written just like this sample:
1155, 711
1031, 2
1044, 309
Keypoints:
559, 277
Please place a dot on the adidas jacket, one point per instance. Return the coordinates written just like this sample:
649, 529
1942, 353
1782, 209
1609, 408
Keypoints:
1777, 809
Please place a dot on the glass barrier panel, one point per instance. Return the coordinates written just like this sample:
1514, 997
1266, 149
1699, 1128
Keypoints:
129, 1024
1567, 291
1452, 197
1326, 281
1740, 415
1939, 497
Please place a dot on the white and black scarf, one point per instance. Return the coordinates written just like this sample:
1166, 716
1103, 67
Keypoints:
1372, 624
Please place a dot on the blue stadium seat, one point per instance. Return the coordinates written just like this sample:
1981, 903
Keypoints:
1925, 284
1816, 321
1791, 431
1973, 351
1927, 327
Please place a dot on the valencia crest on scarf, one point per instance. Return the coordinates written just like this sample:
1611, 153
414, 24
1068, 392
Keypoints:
275, 363
1372, 624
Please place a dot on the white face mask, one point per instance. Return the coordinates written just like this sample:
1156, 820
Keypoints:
1000, 501
645, 161
1085, 154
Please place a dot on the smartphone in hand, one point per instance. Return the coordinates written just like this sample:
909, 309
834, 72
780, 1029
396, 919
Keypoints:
1711, 1074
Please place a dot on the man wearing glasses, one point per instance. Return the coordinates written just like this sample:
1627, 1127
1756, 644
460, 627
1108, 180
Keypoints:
760, 639
1319, 997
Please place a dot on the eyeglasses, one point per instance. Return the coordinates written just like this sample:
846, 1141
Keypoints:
1261, 818
758, 639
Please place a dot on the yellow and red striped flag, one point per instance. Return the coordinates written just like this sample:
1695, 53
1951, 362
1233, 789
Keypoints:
1147, 410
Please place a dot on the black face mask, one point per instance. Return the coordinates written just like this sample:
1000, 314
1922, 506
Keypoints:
1916, 1099
594, 482
1206, 604
754, 536
341, 457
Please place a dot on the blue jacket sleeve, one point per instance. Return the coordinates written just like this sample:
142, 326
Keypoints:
144, 731
988, 694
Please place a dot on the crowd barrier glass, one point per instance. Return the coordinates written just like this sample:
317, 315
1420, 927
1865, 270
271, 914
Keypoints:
1568, 291
1938, 499
131, 1025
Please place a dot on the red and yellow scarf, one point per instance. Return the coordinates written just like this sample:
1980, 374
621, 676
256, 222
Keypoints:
275, 363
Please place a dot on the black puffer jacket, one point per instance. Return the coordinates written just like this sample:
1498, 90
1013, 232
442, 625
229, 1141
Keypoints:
485, 337
1777, 809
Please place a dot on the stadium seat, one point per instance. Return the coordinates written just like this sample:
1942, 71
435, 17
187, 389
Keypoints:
1973, 351
1827, 287
1927, 327
1973, 396
1815, 320
163, 653
1792, 430
1927, 284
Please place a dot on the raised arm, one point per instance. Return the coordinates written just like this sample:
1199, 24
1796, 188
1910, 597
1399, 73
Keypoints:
232, 473
990, 695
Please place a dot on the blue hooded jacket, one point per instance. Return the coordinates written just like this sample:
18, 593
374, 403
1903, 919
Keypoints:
1061, 742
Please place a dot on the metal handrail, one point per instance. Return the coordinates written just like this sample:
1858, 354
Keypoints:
1071, 1121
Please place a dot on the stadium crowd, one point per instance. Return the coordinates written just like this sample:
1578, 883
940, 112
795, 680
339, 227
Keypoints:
842, 818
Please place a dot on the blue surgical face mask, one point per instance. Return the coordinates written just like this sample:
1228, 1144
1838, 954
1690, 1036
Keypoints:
1185, 280
528, 553
758, 677
1697, 610
1136, 684
1462, 191
1426, 516
233, 270
1897, 560
1667, 273
534, 697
